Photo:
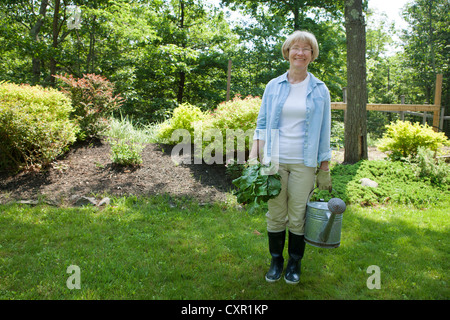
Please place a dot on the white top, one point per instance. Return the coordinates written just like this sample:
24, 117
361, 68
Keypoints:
292, 124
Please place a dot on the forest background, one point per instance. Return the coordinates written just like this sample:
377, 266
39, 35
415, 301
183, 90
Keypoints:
160, 54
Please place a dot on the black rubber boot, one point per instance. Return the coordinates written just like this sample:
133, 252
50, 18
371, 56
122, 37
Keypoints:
296, 249
276, 246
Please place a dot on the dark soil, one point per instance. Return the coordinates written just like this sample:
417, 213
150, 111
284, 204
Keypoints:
87, 170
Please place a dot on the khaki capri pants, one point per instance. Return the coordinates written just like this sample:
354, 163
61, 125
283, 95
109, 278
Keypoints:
288, 209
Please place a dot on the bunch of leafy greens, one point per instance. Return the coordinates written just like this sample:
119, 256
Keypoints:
257, 184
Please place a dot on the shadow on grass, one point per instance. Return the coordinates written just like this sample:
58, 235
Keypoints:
161, 248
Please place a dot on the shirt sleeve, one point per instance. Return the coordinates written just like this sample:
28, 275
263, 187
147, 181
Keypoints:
324, 153
260, 131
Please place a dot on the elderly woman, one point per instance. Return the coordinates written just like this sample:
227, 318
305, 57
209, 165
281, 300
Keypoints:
293, 131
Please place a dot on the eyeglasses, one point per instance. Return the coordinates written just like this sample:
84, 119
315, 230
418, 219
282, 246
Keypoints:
304, 50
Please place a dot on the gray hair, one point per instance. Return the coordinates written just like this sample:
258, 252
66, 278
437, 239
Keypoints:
303, 36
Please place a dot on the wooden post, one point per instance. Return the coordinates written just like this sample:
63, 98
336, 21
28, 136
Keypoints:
402, 113
437, 102
229, 80
344, 97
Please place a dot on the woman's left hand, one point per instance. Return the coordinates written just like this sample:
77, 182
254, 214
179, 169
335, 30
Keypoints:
324, 180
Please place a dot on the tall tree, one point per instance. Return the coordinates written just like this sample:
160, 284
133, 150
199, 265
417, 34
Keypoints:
262, 34
293, 10
356, 115
34, 34
426, 51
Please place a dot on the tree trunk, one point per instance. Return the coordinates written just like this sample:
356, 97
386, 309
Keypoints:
55, 33
182, 74
34, 34
356, 115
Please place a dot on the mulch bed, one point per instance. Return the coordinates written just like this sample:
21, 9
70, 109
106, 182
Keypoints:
87, 170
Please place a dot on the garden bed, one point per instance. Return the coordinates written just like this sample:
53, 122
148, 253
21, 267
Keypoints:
87, 170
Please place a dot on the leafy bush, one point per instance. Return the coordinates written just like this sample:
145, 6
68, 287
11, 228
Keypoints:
397, 183
235, 118
127, 142
183, 117
126, 152
427, 167
93, 101
402, 139
34, 125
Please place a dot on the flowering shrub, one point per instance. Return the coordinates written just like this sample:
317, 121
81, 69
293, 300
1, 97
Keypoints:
34, 125
93, 100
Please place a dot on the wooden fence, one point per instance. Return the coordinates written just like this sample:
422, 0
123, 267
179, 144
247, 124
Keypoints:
410, 108
403, 108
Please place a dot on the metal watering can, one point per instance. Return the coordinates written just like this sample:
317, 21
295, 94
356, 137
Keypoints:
324, 222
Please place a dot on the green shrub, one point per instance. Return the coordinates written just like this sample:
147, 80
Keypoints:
93, 100
34, 125
402, 139
397, 183
183, 117
126, 152
427, 167
233, 119
127, 142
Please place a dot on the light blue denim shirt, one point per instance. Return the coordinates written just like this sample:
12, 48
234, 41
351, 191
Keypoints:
318, 119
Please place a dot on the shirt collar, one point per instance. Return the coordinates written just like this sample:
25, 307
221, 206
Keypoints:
284, 78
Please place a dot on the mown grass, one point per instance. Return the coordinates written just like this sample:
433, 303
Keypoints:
173, 248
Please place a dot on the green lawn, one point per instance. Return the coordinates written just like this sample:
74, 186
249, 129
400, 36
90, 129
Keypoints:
168, 248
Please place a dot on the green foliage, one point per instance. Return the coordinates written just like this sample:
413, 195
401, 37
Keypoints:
234, 168
126, 141
337, 134
126, 152
239, 113
34, 125
257, 185
398, 182
183, 117
233, 119
428, 168
230, 123
402, 139
93, 100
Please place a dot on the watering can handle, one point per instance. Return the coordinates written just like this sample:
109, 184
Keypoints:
311, 192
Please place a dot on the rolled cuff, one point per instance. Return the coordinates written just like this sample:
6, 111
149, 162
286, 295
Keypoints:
324, 156
260, 134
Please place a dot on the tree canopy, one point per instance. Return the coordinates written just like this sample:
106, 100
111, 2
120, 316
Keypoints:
163, 53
